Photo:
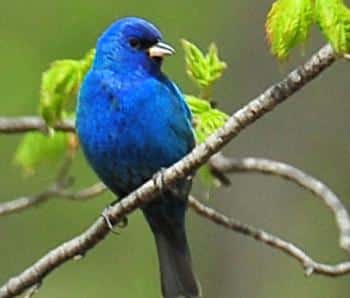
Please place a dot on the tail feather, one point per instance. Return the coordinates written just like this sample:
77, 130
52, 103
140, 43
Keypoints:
166, 218
177, 277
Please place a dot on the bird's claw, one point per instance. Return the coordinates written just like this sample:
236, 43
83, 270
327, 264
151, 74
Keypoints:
104, 214
158, 180
122, 224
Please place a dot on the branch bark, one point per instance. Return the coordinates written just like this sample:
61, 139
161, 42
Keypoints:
56, 191
236, 123
316, 187
226, 165
310, 266
12, 125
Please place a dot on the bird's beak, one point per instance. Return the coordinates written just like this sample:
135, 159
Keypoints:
160, 49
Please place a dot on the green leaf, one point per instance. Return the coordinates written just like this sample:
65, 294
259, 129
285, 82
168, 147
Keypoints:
60, 84
36, 147
207, 119
333, 17
204, 70
288, 25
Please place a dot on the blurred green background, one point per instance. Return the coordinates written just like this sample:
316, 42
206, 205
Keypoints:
310, 131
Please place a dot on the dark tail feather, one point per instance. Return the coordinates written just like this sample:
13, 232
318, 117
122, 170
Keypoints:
166, 219
177, 277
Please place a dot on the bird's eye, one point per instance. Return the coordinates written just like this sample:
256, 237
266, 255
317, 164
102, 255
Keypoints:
135, 43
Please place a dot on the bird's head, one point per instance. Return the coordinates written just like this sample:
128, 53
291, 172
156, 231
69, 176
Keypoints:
131, 44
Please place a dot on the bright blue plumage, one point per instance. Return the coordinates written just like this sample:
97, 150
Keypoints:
132, 121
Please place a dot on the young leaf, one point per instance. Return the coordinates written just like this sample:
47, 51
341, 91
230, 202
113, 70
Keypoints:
333, 17
204, 70
36, 148
207, 119
60, 85
288, 25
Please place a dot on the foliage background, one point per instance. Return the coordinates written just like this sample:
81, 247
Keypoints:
310, 131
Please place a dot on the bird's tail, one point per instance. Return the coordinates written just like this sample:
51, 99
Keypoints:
177, 276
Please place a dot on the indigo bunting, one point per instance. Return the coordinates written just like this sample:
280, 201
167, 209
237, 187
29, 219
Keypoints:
132, 121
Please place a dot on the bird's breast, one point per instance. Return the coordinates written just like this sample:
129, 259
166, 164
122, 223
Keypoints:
127, 144
130, 131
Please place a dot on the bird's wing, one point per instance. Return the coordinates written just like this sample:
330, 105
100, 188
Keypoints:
179, 100
161, 119
180, 95
180, 120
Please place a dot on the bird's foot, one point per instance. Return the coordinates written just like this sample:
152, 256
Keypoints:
122, 224
158, 180
104, 214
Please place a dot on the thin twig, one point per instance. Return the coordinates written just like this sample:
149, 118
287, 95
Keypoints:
84, 194
23, 203
200, 155
61, 183
272, 167
11, 125
310, 266
57, 190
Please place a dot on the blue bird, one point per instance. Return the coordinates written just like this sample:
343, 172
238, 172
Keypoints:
132, 121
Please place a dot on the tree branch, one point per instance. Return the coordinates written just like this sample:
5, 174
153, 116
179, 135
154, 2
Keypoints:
11, 125
55, 191
84, 194
144, 194
231, 165
62, 182
310, 266
270, 167
58, 189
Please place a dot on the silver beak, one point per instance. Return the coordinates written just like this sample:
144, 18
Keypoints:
160, 49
